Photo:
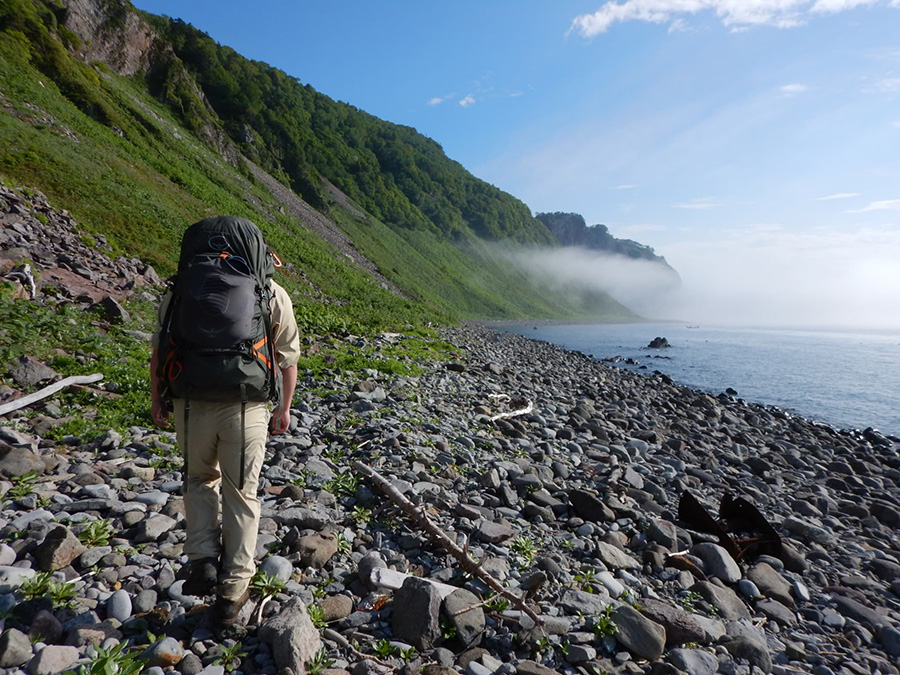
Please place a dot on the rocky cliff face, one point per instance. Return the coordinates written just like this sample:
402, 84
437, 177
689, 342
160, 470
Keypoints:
571, 230
111, 33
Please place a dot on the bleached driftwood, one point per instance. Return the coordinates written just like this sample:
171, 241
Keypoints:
442, 540
23, 275
48, 391
515, 413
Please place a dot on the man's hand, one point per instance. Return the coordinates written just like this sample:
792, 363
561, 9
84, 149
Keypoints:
159, 412
281, 420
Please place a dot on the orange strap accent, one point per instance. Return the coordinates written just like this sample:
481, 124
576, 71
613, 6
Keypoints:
224, 254
262, 357
172, 364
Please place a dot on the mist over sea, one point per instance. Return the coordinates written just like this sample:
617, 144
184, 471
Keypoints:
849, 379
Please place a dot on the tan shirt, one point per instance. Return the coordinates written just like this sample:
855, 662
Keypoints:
284, 325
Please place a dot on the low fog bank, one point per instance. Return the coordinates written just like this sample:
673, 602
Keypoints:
826, 286
643, 286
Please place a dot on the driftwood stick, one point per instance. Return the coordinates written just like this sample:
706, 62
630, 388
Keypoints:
48, 391
515, 413
441, 539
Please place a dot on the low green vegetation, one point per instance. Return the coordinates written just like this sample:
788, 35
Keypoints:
319, 662
96, 533
265, 585
604, 625
118, 659
77, 343
45, 585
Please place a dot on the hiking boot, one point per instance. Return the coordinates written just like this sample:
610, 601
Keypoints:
225, 611
202, 578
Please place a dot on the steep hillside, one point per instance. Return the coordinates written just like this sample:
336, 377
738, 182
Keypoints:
140, 125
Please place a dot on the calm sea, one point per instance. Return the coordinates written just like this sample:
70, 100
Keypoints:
846, 379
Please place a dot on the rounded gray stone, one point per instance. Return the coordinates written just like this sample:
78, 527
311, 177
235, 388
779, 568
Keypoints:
118, 606
694, 661
277, 566
15, 648
719, 562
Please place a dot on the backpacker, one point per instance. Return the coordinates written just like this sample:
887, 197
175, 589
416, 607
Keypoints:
216, 341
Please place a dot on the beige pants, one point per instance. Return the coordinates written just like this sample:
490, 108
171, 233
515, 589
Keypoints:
212, 451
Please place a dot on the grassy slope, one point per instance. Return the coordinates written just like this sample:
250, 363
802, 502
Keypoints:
140, 178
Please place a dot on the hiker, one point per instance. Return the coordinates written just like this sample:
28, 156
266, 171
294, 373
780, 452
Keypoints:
226, 347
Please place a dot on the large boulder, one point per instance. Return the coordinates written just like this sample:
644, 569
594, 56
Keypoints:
293, 638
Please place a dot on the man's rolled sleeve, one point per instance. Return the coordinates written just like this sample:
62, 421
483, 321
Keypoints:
284, 327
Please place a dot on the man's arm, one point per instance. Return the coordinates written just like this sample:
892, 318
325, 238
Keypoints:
281, 418
158, 410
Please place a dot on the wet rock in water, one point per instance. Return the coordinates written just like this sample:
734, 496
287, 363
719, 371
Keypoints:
658, 343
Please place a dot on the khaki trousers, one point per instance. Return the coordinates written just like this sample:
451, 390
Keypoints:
211, 445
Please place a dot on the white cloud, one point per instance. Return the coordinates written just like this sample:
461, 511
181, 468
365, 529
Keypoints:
883, 205
697, 204
467, 101
793, 89
839, 195
625, 187
437, 100
889, 84
736, 14
834, 6
896, 124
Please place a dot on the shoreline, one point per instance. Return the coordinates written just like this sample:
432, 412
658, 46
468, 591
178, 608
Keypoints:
644, 361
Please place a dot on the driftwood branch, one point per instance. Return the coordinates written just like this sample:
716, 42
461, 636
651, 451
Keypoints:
515, 413
48, 391
442, 540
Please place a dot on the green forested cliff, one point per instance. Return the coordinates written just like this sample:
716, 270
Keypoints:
396, 174
139, 125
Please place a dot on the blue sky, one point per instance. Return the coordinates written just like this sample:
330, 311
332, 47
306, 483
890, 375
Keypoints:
754, 143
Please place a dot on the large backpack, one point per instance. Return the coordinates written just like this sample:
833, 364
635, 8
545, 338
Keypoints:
216, 342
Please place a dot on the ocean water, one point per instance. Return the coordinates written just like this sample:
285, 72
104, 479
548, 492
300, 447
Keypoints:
843, 378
